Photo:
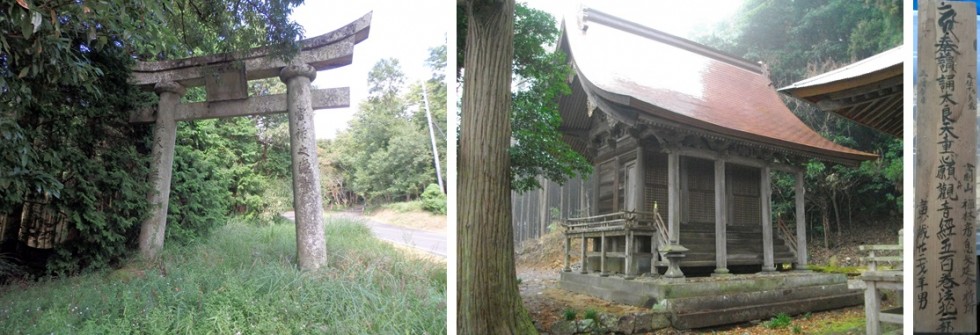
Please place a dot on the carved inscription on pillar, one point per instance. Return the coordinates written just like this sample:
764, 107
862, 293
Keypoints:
944, 259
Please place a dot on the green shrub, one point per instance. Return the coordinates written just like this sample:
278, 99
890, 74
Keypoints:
592, 314
781, 320
569, 314
433, 200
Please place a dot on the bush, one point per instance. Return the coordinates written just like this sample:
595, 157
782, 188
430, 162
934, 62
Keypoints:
433, 200
569, 314
592, 314
781, 320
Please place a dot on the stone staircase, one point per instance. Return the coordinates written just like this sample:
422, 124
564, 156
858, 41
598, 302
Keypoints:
744, 245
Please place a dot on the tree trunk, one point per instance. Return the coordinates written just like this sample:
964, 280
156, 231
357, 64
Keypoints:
488, 297
825, 221
833, 201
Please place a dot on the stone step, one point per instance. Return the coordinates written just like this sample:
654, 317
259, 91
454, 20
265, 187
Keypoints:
731, 235
710, 318
711, 256
710, 240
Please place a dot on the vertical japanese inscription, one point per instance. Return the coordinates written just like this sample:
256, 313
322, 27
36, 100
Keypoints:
944, 267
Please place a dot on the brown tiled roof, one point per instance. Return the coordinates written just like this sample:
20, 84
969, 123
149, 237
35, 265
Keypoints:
664, 77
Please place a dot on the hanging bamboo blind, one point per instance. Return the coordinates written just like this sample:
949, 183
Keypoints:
655, 182
700, 190
743, 182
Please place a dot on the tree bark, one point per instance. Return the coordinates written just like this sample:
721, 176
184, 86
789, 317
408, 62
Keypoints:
833, 201
488, 297
825, 220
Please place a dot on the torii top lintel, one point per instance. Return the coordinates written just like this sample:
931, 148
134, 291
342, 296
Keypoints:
327, 51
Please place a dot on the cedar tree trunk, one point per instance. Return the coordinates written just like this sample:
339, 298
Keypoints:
488, 297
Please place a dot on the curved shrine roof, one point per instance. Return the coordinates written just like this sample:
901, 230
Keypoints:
648, 75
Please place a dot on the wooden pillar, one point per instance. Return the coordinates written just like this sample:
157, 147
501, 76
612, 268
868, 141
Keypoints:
311, 249
944, 256
801, 255
628, 272
765, 198
653, 256
602, 254
639, 181
673, 197
543, 208
584, 261
568, 254
872, 306
721, 220
154, 228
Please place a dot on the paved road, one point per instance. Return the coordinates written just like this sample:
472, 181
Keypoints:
433, 243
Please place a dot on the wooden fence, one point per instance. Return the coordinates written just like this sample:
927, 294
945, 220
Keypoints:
534, 211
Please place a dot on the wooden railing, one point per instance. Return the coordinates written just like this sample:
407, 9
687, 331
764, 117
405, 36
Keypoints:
658, 222
788, 235
876, 279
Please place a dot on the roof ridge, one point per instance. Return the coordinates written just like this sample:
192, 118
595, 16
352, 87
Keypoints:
593, 15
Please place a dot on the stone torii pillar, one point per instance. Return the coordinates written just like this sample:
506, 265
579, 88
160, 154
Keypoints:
164, 139
311, 248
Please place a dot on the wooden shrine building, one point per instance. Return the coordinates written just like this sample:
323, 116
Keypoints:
684, 140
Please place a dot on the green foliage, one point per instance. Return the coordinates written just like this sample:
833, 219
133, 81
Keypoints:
433, 200
592, 314
569, 314
242, 279
794, 37
540, 78
199, 194
781, 320
386, 153
73, 150
10, 269
220, 169
538, 149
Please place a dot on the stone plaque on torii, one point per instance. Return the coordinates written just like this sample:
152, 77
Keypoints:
225, 78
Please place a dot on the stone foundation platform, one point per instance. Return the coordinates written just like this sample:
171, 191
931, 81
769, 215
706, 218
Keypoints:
714, 301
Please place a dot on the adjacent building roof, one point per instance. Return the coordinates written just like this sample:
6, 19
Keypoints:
636, 73
868, 91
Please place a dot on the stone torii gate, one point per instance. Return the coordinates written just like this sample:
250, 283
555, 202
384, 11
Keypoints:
225, 78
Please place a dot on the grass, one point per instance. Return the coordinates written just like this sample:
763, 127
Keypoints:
405, 207
850, 271
781, 320
569, 314
243, 280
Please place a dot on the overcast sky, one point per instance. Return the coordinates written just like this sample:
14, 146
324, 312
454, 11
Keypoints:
682, 18
400, 29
